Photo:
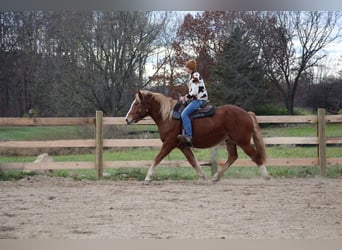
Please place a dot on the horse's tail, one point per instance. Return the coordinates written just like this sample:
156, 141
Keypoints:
258, 141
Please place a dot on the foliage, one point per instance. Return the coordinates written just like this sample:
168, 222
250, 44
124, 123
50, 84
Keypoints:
201, 37
270, 109
327, 94
291, 44
238, 78
71, 63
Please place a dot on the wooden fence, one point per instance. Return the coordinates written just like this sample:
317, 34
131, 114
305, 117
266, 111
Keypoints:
99, 143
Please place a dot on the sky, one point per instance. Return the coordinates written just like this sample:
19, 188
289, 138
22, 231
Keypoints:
334, 58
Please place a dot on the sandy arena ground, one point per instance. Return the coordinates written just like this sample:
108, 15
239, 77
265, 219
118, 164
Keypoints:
60, 208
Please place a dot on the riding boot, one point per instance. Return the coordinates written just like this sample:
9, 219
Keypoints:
185, 139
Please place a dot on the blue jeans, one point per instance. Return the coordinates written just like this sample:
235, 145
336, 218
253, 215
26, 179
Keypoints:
189, 109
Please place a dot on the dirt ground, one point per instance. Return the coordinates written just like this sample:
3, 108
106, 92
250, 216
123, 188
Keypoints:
41, 207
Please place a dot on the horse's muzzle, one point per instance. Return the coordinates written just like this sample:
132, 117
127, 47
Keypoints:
130, 121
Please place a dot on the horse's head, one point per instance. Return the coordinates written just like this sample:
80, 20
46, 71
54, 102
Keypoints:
139, 109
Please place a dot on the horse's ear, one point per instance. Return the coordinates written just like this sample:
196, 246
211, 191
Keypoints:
141, 96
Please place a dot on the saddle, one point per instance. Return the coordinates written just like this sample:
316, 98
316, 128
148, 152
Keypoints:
205, 110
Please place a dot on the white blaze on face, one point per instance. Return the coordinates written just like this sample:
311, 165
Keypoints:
130, 109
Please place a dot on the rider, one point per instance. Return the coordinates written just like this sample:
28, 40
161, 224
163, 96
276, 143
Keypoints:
195, 98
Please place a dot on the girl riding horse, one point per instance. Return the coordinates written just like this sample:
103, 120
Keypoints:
195, 98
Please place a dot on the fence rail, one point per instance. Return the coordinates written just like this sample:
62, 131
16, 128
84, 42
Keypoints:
128, 143
99, 143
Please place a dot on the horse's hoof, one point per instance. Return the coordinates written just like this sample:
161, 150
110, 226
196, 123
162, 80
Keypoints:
147, 182
215, 180
201, 180
267, 177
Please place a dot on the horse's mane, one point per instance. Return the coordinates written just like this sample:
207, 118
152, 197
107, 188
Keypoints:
166, 103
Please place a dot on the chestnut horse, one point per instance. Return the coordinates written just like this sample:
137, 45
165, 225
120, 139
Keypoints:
230, 123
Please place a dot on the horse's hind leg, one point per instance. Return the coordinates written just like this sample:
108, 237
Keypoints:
253, 154
192, 160
232, 156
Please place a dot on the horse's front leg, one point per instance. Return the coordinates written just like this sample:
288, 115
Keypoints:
164, 151
194, 163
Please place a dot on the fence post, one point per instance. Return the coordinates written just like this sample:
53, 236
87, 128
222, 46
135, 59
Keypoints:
322, 146
99, 144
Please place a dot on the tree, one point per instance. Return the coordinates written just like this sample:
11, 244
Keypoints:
291, 43
238, 78
71, 63
202, 36
18, 60
327, 94
115, 50
162, 75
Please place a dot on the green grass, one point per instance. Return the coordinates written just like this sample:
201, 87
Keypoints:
302, 130
177, 173
182, 173
14, 175
163, 173
143, 131
43, 133
201, 154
